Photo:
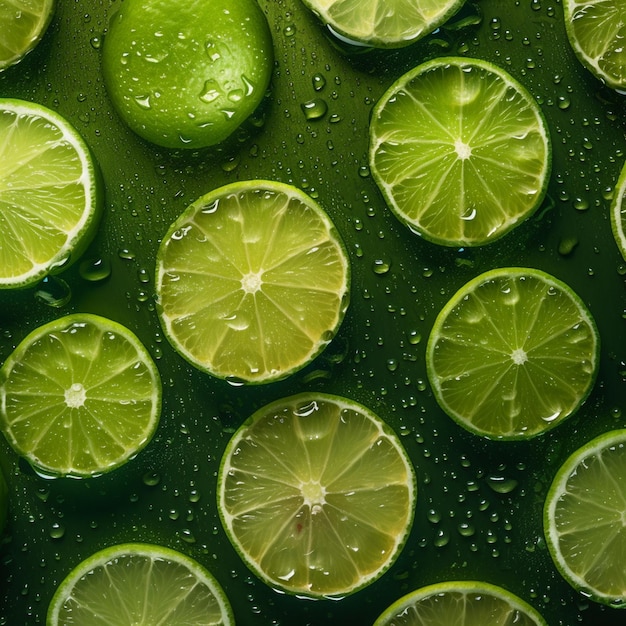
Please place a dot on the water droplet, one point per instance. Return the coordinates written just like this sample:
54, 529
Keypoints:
187, 536
126, 254
151, 479
57, 531
95, 270
380, 266
319, 82
211, 91
143, 102
54, 292
314, 109
289, 30
501, 484
567, 245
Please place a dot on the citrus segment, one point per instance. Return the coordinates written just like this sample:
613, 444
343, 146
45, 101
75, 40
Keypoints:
186, 75
384, 23
462, 603
596, 31
22, 24
618, 212
585, 519
316, 494
252, 281
513, 353
131, 584
460, 151
79, 396
49, 193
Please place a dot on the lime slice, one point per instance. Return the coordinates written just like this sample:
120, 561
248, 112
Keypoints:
252, 281
618, 213
136, 583
187, 74
462, 603
22, 25
460, 151
317, 495
596, 31
49, 193
4, 501
512, 354
79, 396
384, 23
585, 519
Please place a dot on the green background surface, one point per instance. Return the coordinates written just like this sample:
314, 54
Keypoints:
479, 503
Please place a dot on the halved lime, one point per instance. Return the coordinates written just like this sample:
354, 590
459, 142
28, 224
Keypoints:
22, 25
252, 281
618, 212
187, 74
513, 353
384, 23
79, 396
135, 583
585, 519
317, 495
460, 151
460, 603
49, 193
596, 31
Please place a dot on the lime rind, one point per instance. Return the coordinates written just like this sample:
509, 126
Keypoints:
58, 411
266, 282
618, 213
596, 33
480, 367
459, 594
22, 25
198, 576
43, 232
297, 544
602, 542
466, 163
372, 23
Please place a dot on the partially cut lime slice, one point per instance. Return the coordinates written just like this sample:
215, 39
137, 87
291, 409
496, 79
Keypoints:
131, 584
460, 151
585, 519
49, 193
317, 495
512, 354
22, 25
460, 603
252, 281
618, 212
384, 23
79, 396
596, 32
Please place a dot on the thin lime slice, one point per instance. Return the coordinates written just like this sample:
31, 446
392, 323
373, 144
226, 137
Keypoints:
187, 74
79, 396
596, 32
460, 603
136, 583
49, 193
512, 354
618, 212
252, 281
585, 519
22, 25
384, 23
460, 151
317, 495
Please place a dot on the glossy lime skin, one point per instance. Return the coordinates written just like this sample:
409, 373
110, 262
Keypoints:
187, 74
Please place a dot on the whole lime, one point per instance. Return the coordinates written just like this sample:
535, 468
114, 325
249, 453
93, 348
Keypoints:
187, 74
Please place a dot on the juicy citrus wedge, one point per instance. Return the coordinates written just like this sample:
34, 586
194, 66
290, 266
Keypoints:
317, 495
596, 32
618, 212
512, 354
585, 519
79, 396
136, 583
384, 23
22, 25
49, 193
460, 603
460, 151
252, 281
187, 74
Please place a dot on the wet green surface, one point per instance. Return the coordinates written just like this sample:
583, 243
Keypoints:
479, 503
